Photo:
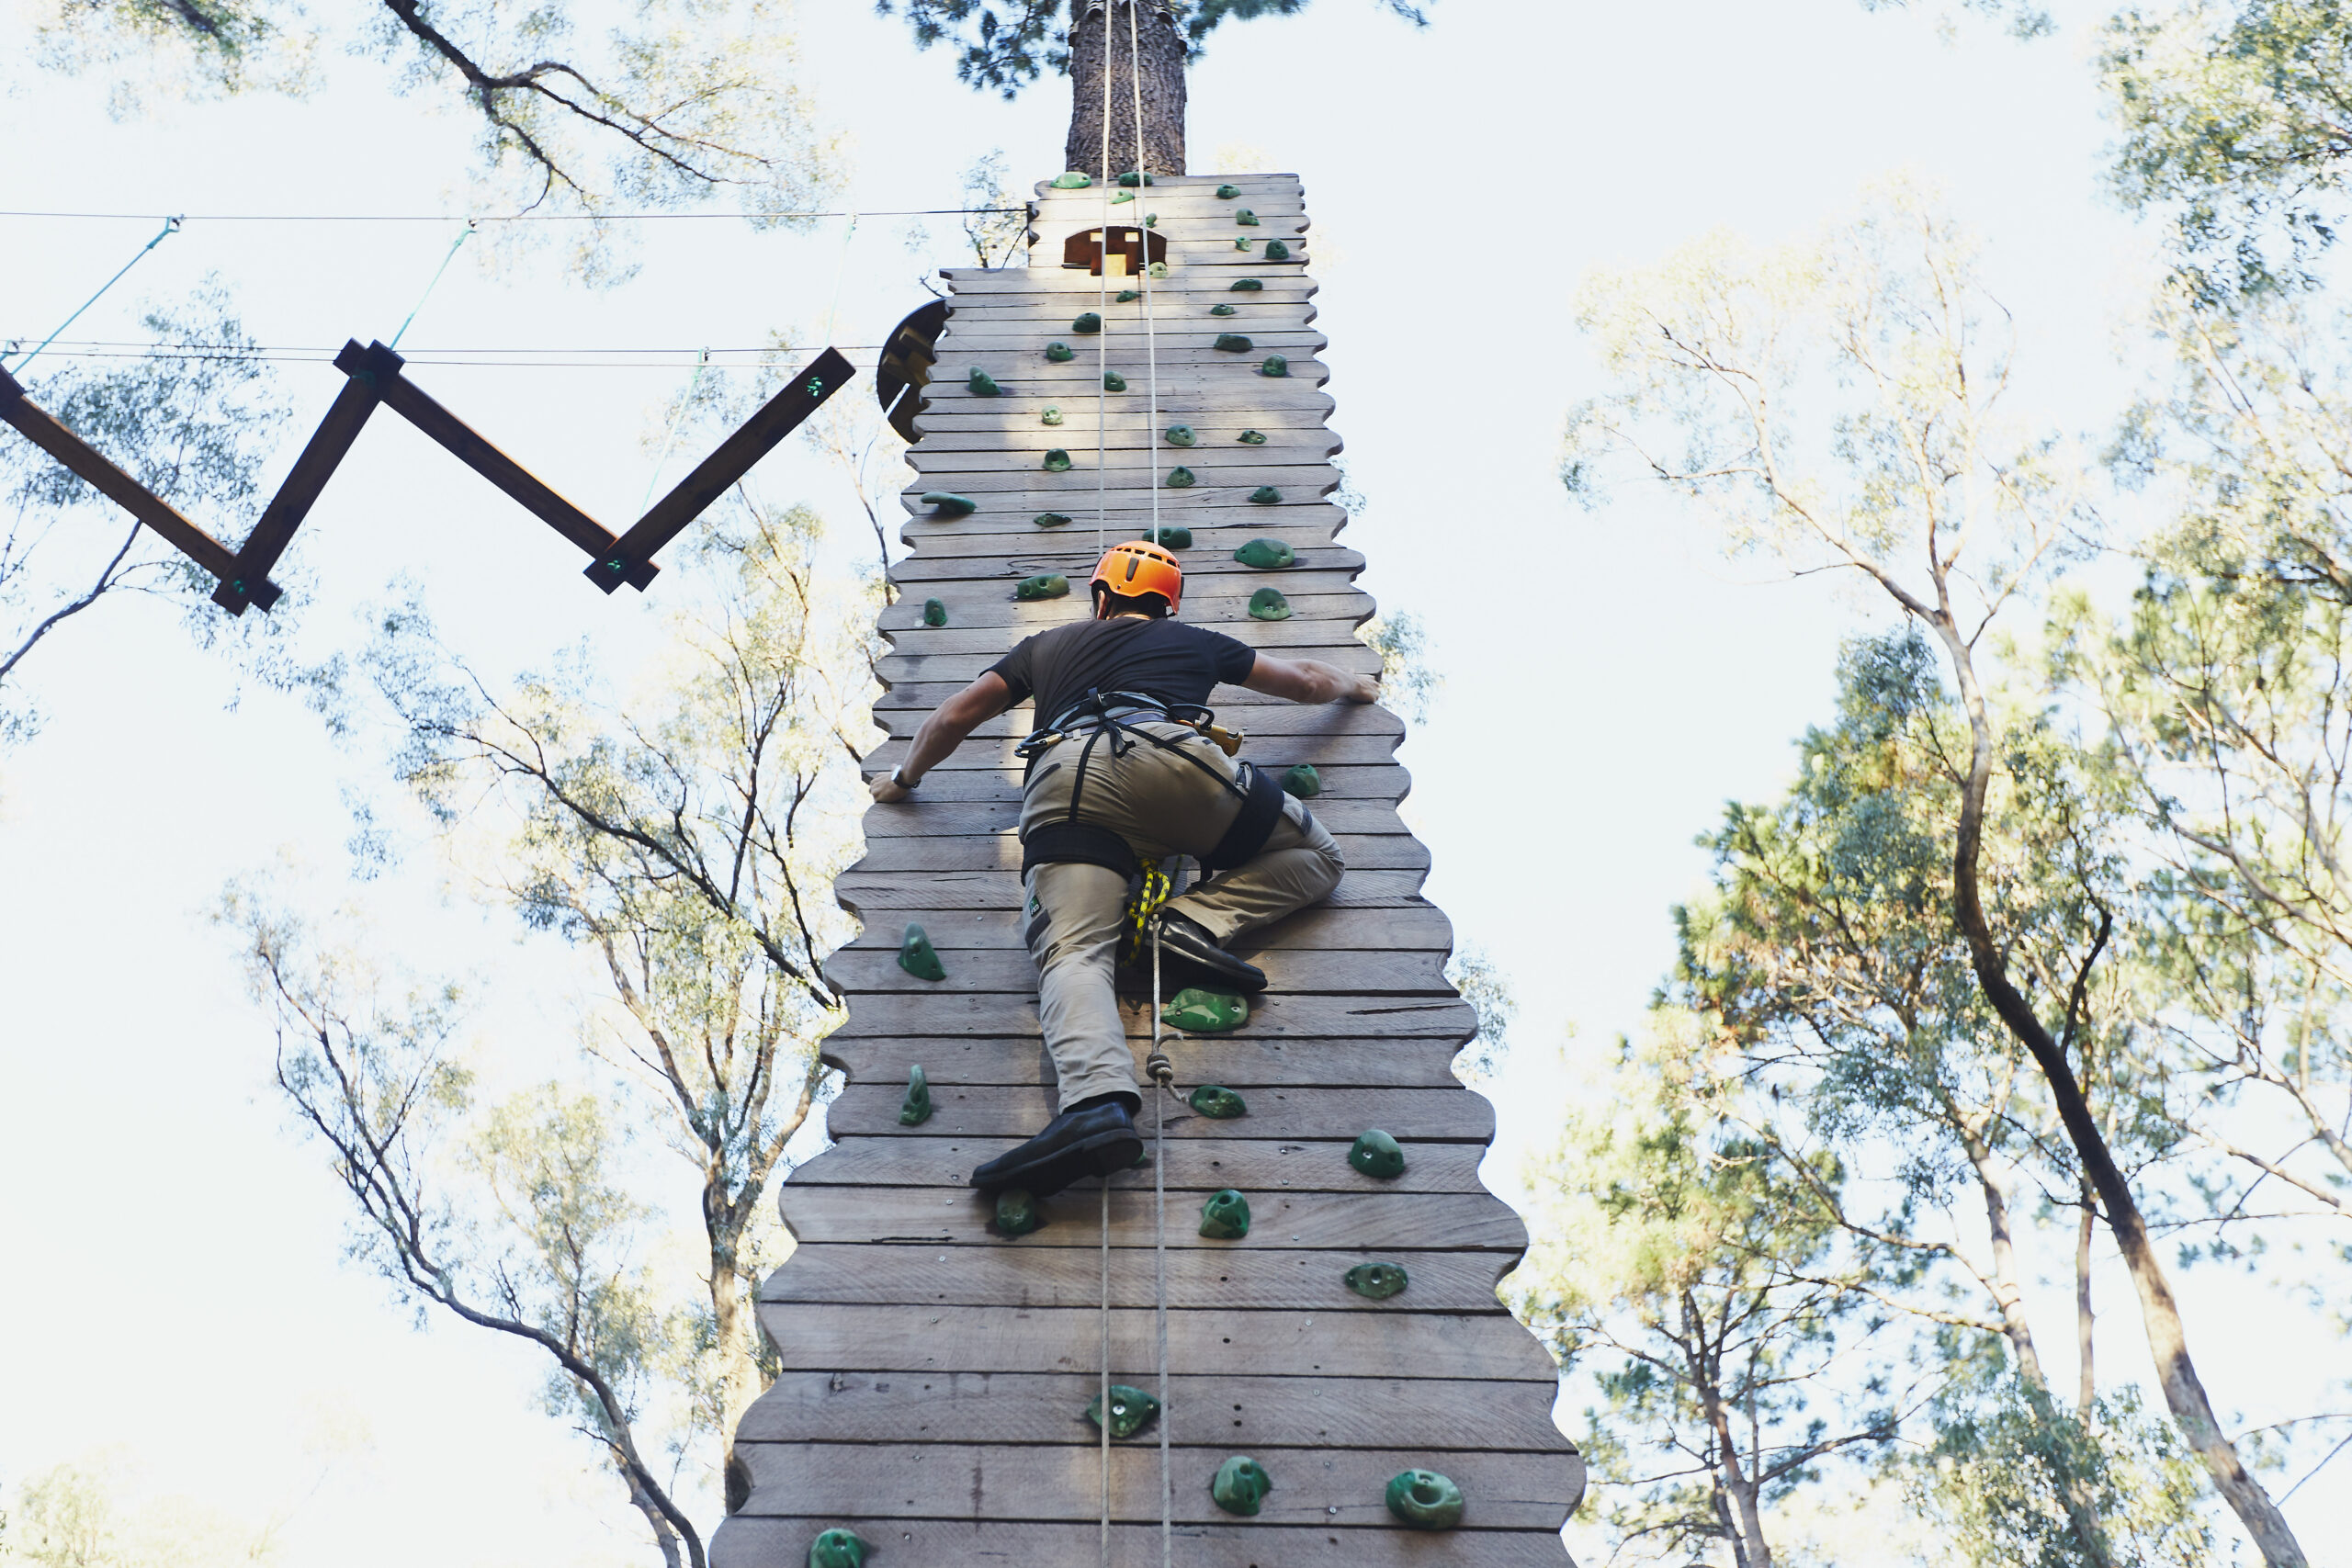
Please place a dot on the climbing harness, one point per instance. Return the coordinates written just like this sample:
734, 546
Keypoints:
1121, 716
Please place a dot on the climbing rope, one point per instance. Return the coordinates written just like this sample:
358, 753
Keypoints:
170, 226
1102, 510
1150, 334
1162, 1073
1105, 1419
463, 235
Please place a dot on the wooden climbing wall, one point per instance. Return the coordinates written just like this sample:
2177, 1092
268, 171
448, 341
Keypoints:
934, 1374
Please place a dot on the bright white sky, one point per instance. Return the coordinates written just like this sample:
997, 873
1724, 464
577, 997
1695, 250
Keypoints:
173, 1282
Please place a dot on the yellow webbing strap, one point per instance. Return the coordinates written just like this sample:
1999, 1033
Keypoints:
1154, 891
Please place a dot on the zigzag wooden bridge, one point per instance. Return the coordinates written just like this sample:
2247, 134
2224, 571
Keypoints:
935, 1374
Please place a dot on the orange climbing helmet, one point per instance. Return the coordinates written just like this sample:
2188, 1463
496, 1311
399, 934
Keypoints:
1135, 569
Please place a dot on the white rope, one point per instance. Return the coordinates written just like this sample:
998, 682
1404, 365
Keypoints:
1102, 345
1104, 1546
1150, 335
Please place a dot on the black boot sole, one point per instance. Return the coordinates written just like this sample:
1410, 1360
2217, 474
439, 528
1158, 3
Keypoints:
1099, 1154
1178, 969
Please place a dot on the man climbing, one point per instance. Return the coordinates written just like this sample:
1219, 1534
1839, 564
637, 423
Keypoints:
1122, 770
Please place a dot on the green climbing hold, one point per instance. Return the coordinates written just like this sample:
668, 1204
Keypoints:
1171, 536
1086, 322
1215, 1100
980, 383
1277, 251
1268, 604
1223, 310
1198, 1011
1241, 242
1044, 585
1180, 478
1425, 1500
918, 957
1131, 1410
934, 614
1240, 1484
1245, 286
1128, 296
1073, 180
947, 503
1132, 180
1246, 217
1122, 195
1114, 382
1265, 495
915, 1110
1225, 1217
1051, 519
842, 1549
1251, 438
1151, 220
1232, 343
1016, 1211
1302, 781
1057, 462
1060, 352
1275, 364
1179, 435
1266, 555
1378, 1154
1158, 269
1227, 193
1377, 1281
1051, 415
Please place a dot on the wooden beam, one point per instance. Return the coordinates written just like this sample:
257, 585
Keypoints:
471, 449
41, 428
777, 418
346, 417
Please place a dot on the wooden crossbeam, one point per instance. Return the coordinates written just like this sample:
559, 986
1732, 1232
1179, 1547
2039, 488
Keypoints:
777, 418
374, 375
39, 426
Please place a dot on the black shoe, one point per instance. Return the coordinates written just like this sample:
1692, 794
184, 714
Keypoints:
1190, 956
1094, 1138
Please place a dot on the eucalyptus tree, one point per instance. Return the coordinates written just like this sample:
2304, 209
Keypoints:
2234, 129
683, 838
1839, 403
190, 418
1720, 1310
1827, 957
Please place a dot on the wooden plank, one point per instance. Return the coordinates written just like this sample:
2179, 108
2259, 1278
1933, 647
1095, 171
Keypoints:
94, 468
329, 444
1292, 973
1379, 781
918, 895
1138, 475
1315, 928
1295, 722
1248, 1412
1195, 1165
1413, 1346
802, 394
1350, 1222
921, 818
976, 419
1386, 852
1344, 1487
1305, 634
1319, 1016
957, 670
1071, 1277
748, 1541
1289, 1111
1188, 397
471, 449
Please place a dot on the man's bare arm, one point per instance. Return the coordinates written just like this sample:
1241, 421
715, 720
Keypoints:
944, 731
1309, 680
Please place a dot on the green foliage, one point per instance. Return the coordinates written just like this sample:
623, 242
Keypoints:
2233, 125
1985, 1485
1410, 683
194, 420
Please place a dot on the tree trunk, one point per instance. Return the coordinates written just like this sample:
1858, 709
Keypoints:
2087, 1385
2193, 1411
2082, 1513
1136, 31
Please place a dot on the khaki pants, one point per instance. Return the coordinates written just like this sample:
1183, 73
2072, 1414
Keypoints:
1162, 805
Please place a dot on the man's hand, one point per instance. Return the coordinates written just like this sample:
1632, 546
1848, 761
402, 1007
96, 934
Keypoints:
889, 790
1310, 681
1367, 690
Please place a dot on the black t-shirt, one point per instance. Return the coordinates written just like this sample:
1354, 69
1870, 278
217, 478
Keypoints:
1167, 659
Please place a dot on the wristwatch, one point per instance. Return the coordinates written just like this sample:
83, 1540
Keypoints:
902, 780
